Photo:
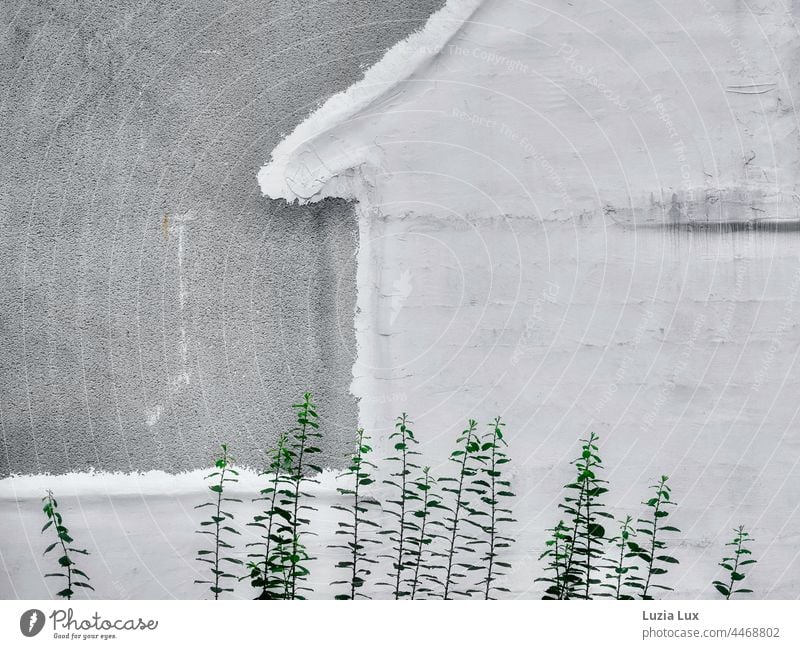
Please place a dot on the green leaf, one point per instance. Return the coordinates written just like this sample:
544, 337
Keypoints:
597, 530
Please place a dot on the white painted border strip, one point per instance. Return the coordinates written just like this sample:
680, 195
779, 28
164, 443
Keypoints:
149, 483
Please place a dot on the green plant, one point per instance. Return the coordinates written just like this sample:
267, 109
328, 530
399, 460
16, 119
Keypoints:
301, 445
584, 543
733, 565
426, 533
496, 488
621, 578
655, 552
219, 524
556, 552
64, 541
268, 568
358, 514
399, 506
467, 458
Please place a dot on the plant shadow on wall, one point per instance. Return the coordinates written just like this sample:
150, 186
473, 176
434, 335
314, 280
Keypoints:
447, 536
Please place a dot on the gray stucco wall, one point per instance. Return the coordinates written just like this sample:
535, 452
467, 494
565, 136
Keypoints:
152, 303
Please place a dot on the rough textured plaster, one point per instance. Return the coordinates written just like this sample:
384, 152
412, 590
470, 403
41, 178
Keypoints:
153, 303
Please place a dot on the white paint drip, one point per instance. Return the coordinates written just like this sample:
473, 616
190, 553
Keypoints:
183, 377
153, 415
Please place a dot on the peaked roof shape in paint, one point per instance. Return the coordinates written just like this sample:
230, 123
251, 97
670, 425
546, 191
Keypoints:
551, 109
